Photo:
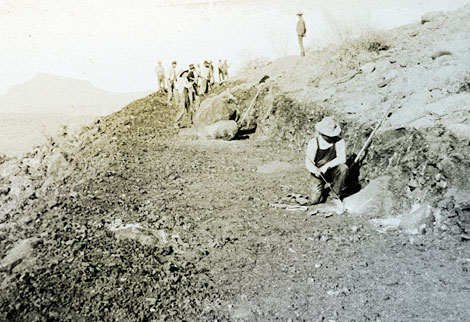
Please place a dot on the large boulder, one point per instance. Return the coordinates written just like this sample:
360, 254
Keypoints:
21, 253
416, 221
216, 108
372, 201
225, 130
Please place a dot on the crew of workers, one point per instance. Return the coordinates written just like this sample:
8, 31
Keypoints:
326, 151
184, 87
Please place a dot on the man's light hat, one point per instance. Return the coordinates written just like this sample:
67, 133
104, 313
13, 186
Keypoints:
299, 13
328, 127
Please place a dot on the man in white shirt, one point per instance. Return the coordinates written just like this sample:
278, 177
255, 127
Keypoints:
326, 159
183, 86
186, 85
205, 78
171, 82
160, 71
301, 30
220, 68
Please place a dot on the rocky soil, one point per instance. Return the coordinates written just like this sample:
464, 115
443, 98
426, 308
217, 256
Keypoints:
132, 220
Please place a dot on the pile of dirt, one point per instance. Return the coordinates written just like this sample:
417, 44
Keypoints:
74, 206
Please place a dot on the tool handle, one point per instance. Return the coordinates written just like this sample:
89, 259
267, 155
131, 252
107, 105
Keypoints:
329, 186
250, 107
369, 139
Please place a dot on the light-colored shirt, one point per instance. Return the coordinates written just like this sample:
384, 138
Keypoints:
301, 29
159, 70
205, 72
172, 74
182, 82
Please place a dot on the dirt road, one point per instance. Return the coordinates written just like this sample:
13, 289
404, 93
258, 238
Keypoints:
209, 245
271, 264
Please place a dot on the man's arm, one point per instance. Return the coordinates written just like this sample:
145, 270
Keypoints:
340, 147
310, 157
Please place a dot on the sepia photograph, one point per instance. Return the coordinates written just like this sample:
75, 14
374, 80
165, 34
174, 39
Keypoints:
235, 160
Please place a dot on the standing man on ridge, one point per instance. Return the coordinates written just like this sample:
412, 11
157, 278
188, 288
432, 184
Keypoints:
171, 82
301, 30
160, 71
220, 67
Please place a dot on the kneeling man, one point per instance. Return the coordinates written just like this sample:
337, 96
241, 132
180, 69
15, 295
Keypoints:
326, 159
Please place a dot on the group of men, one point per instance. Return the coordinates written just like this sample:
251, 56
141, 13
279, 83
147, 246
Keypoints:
185, 86
205, 75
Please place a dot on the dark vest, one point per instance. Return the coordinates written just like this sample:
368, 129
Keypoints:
325, 156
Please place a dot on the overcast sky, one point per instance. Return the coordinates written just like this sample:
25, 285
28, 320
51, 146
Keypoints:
117, 43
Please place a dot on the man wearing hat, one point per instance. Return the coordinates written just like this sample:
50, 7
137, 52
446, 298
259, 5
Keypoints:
183, 85
301, 30
160, 76
193, 77
172, 74
205, 78
326, 159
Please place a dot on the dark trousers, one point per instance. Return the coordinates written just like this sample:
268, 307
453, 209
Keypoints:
335, 176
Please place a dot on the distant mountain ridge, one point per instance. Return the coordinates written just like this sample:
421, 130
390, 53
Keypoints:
48, 93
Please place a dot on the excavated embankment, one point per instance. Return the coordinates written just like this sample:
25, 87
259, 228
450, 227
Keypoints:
127, 220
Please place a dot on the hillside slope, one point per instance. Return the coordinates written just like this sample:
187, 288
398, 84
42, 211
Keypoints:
131, 220
47, 93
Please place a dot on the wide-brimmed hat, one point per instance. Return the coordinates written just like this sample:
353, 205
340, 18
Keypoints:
328, 127
299, 13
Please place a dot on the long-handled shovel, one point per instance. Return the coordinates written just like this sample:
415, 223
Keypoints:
340, 205
245, 115
330, 186
369, 139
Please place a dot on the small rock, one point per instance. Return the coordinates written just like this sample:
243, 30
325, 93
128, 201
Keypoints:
354, 229
440, 53
413, 183
422, 229
442, 184
428, 17
324, 238
343, 291
302, 201
383, 83
368, 68
312, 212
455, 230
4, 190
318, 265
151, 300
465, 237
